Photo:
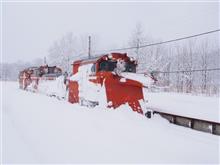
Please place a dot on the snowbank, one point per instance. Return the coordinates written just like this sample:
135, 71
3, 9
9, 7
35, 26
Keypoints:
201, 107
41, 129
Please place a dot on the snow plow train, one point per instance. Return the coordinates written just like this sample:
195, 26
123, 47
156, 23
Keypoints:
109, 80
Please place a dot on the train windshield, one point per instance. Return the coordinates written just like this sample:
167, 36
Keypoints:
130, 67
111, 66
107, 66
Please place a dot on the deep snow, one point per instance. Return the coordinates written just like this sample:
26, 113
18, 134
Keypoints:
200, 107
41, 129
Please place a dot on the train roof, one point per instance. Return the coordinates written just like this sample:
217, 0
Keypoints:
112, 56
38, 67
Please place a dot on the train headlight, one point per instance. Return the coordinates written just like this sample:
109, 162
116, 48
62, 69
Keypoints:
110, 56
131, 59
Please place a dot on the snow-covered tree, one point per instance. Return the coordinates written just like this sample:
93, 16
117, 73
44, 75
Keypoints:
183, 57
62, 52
68, 49
148, 57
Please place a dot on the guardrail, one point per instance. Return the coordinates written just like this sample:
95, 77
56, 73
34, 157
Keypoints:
193, 123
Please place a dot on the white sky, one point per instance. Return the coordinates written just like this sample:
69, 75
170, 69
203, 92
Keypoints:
29, 29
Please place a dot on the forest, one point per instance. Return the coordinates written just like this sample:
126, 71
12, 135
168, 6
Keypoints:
186, 66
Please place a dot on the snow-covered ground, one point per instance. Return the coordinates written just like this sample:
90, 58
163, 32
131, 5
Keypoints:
200, 107
40, 129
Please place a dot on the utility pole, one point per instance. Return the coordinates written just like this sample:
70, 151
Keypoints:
45, 61
137, 51
89, 51
68, 64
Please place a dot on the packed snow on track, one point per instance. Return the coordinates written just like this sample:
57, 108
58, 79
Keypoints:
42, 129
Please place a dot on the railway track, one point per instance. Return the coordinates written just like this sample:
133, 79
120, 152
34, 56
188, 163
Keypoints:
189, 122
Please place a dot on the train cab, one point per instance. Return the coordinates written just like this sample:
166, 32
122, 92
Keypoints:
108, 80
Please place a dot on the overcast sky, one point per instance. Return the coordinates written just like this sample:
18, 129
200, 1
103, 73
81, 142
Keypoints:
29, 29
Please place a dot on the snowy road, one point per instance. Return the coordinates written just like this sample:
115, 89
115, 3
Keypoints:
40, 129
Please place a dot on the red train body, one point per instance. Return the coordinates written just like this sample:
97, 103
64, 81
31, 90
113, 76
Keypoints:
41, 79
109, 80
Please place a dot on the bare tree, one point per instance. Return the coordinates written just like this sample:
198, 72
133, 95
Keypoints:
62, 52
204, 65
188, 53
138, 38
68, 49
148, 58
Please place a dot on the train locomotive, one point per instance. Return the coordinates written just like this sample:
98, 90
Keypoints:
109, 80
44, 79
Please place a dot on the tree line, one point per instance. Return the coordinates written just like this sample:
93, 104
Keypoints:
200, 53
183, 66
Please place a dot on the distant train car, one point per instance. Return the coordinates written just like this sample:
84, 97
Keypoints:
44, 79
110, 80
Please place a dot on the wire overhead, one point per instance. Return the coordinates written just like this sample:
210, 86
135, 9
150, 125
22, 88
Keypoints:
159, 43
185, 71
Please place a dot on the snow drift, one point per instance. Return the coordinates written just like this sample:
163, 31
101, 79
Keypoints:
41, 129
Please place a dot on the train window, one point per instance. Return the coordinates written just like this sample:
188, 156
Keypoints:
45, 70
93, 68
111, 65
107, 65
51, 69
36, 72
57, 70
130, 67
